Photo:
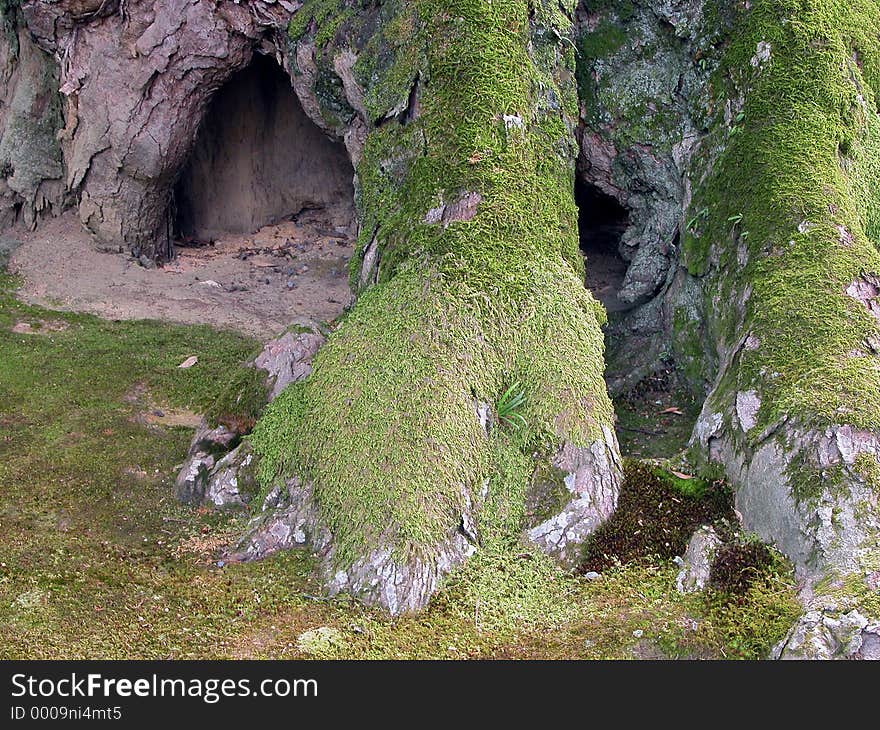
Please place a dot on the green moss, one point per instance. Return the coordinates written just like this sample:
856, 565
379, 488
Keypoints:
655, 419
808, 482
386, 427
739, 564
690, 349
547, 494
749, 626
9, 17
868, 467
781, 189
392, 59
508, 591
851, 592
241, 400
325, 15
605, 40
501, 517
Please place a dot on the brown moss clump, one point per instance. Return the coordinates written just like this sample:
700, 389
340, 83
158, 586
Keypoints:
738, 565
656, 515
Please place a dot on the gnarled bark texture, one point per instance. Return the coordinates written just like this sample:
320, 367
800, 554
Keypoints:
742, 140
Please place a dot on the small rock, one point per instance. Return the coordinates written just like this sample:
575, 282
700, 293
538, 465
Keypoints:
592, 575
697, 560
193, 478
638, 633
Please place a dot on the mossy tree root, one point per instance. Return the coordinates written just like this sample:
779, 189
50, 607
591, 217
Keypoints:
786, 238
389, 460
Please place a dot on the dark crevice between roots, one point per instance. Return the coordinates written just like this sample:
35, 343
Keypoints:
655, 418
602, 222
656, 515
257, 160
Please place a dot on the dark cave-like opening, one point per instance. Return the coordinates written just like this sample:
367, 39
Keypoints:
602, 221
259, 160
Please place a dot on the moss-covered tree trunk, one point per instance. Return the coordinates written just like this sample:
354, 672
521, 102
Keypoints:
759, 121
404, 453
786, 242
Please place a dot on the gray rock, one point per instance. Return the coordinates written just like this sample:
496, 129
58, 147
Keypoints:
192, 480
211, 440
191, 485
645, 165
697, 560
231, 481
379, 578
7, 247
826, 532
31, 120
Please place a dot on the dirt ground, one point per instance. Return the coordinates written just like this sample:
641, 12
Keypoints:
604, 278
256, 284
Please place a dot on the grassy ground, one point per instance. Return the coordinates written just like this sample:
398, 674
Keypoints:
97, 560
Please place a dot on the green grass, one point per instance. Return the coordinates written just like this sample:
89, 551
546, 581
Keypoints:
98, 561
510, 405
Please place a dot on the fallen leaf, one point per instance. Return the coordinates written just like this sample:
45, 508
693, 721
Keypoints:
680, 475
188, 363
676, 411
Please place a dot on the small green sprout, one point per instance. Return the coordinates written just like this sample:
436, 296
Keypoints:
510, 405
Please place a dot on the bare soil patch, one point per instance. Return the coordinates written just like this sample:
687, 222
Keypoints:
257, 284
